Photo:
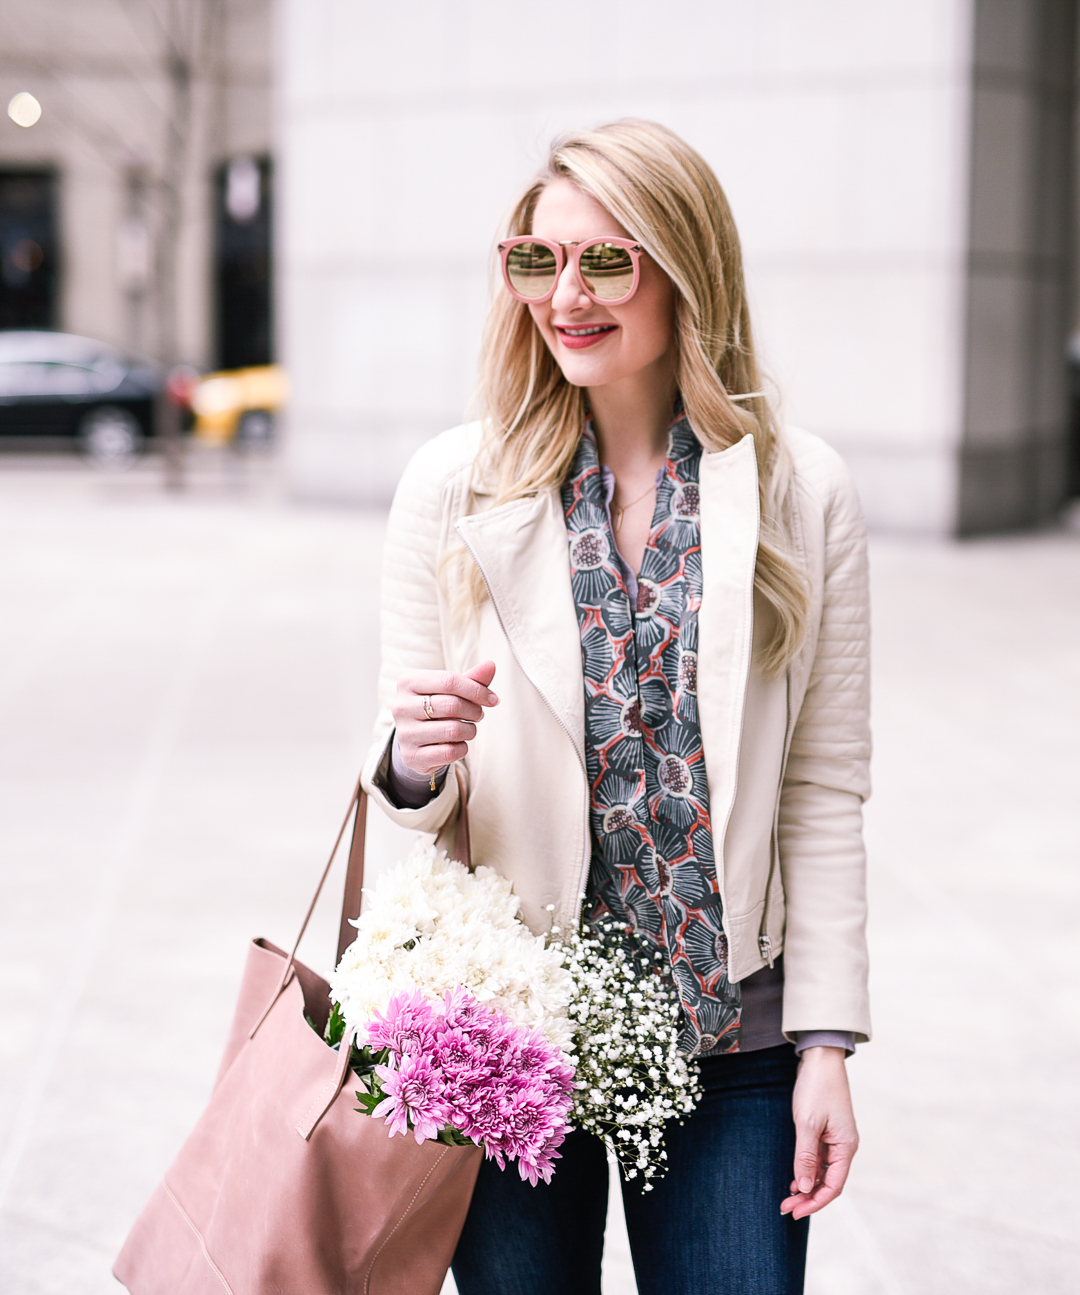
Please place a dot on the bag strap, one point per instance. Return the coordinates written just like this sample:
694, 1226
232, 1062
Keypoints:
354, 878
326, 1096
354, 875
462, 840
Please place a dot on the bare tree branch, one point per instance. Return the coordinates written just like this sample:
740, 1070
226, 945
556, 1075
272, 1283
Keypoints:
180, 40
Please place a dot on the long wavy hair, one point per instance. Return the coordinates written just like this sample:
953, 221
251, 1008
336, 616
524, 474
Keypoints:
667, 197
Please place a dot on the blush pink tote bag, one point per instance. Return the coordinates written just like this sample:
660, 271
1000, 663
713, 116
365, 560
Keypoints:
282, 1186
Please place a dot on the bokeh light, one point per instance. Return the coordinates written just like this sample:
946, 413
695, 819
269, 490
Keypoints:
24, 109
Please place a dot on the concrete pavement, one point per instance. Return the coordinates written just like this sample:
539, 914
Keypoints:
186, 687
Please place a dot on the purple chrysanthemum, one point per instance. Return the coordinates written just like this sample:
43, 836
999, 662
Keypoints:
413, 1089
540, 1163
408, 1026
504, 1087
455, 1050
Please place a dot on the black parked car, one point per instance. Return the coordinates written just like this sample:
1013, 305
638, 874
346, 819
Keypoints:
56, 385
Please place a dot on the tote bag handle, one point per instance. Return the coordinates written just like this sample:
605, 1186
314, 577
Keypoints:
354, 875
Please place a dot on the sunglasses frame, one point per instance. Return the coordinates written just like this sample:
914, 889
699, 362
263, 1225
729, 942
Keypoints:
559, 249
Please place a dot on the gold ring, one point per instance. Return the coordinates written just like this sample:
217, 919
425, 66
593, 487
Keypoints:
429, 710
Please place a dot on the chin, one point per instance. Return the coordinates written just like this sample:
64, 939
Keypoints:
580, 377
581, 371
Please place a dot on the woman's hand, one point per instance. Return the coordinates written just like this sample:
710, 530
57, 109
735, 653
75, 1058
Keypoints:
825, 1135
431, 741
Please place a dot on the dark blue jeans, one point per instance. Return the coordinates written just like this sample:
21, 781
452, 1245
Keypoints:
711, 1226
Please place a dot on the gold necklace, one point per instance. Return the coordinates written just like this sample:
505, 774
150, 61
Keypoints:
617, 519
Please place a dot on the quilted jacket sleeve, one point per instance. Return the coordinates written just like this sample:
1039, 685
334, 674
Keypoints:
822, 857
412, 636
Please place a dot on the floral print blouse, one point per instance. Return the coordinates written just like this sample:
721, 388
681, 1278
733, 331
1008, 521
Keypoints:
652, 860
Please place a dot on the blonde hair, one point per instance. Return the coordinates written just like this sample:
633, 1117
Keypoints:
667, 196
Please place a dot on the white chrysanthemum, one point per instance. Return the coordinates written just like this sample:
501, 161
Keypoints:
431, 924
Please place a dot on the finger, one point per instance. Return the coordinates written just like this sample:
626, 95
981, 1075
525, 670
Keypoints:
807, 1155
837, 1159
444, 706
416, 740
795, 1198
483, 673
428, 683
802, 1206
439, 732
837, 1165
428, 759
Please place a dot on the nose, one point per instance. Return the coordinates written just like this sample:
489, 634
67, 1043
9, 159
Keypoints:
569, 294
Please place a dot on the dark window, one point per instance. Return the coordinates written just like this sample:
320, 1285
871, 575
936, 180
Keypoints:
28, 250
243, 263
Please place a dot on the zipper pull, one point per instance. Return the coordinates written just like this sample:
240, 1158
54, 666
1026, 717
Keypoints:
765, 948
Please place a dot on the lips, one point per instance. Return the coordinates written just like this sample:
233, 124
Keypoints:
576, 338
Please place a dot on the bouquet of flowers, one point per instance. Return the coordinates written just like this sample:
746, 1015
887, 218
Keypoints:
460, 1013
468, 1028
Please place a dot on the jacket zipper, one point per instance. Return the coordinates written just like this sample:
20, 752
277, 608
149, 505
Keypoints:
584, 874
765, 945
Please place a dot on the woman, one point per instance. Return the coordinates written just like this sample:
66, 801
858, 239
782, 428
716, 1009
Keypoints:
669, 595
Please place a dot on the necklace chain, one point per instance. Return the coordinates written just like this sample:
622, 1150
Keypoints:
620, 511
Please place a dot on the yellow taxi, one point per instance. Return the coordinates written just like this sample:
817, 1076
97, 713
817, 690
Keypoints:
238, 404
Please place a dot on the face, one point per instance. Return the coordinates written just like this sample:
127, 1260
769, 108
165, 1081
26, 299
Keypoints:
596, 345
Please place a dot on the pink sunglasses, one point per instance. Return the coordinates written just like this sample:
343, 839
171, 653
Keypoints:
607, 268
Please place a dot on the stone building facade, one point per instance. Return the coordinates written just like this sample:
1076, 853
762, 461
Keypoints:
154, 118
900, 172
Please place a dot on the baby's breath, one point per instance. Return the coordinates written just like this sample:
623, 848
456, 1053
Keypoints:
631, 1078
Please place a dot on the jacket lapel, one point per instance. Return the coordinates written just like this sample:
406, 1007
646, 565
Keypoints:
521, 550
729, 540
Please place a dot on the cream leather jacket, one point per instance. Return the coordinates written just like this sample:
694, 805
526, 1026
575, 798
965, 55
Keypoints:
786, 758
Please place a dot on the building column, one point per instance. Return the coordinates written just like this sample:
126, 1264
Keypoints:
1013, 453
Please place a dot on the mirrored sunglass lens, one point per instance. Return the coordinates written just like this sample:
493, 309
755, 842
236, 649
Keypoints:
608, 271
530, 267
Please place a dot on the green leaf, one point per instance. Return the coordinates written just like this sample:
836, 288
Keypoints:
335, 1026
364, 1059
368, 1101
453, 1138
